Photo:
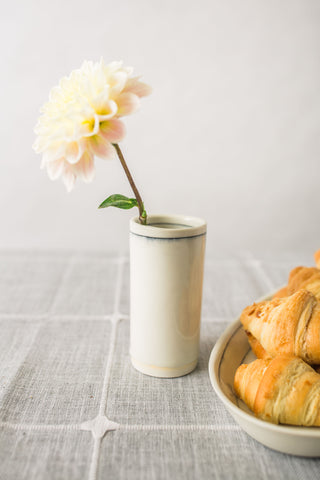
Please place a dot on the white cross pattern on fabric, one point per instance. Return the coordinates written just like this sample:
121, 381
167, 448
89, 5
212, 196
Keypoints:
99, 426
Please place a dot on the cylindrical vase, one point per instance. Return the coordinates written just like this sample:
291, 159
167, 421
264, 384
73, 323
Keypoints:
166, 278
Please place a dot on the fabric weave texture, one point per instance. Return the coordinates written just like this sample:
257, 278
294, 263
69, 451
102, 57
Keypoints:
72, 406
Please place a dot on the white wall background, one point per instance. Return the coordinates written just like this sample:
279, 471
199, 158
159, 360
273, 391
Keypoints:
230, 133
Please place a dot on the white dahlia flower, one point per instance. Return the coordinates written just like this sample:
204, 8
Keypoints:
81, 120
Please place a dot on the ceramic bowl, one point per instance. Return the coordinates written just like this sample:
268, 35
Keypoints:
230, 351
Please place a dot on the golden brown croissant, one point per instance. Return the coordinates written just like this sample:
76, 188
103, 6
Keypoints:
280, 390
303, 277
289, 325
256, 347
261, 353
283, 292
307, 278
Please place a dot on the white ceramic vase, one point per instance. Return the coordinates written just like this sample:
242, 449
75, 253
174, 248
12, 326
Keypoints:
166, 277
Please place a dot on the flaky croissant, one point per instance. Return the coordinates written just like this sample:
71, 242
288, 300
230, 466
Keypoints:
261, 353
317, 258
256, 347
307, 278
280, 390
289, 325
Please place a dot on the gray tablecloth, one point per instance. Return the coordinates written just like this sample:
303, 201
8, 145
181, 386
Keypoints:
71, 405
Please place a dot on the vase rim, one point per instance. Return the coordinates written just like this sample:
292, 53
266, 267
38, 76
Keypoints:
182, 226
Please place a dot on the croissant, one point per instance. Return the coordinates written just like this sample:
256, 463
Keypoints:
280, 390
256, 347
260, 352
317, 258
283, 292
289, 325
307, 278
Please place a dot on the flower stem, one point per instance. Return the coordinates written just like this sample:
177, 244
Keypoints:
142, 212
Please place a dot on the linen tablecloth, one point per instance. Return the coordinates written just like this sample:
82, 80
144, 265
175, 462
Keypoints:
73, 407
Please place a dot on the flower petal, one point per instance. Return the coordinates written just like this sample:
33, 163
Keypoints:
140, 89
55, 168
112, 130
117, 81
68, 178
73, 152
109, 110
39, 144
89, 127
127, 103
100, 102
54, 152
85, 167
100, 146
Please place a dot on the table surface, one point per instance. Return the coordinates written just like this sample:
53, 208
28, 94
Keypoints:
73, 407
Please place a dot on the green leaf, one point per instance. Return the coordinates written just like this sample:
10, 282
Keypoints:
119, 201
